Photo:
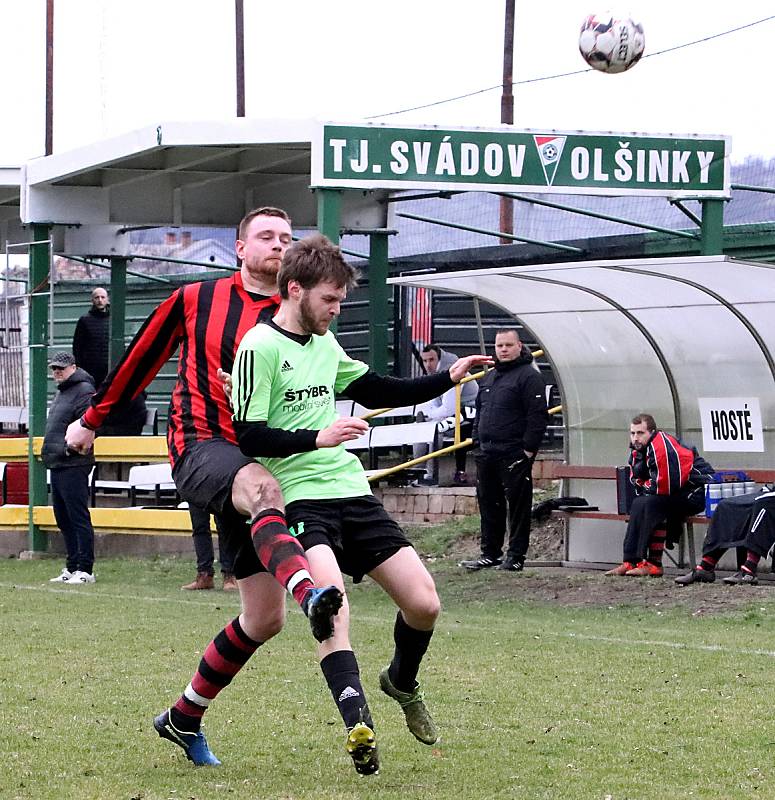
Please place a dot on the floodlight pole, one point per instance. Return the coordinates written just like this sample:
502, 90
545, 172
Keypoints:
239, 14
49, 77
507, 110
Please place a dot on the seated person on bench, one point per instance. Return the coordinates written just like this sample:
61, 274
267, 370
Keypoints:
746, 522
669, 478
434, 359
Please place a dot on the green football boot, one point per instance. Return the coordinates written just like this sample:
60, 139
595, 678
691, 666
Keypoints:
418, 718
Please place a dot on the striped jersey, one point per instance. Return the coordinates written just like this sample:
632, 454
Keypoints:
290, 382
206, 320
665, 466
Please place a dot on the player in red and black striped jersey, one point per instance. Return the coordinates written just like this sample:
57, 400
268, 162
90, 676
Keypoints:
669, 479
206, 321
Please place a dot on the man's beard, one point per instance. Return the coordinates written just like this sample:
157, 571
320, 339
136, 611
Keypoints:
309, 322
263, 271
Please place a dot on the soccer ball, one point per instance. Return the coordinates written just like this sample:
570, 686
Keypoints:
611, 43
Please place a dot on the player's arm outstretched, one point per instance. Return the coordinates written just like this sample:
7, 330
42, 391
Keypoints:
149, 350
377, 391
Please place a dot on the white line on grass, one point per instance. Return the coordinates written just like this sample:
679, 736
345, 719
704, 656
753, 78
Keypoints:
188, 601
711, 648
85, 592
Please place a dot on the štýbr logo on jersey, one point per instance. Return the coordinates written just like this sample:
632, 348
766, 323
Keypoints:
308, 397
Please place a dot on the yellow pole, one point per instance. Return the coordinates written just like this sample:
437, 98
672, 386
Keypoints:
390, 470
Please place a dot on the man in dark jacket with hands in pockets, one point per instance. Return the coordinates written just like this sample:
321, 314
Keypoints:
70, 470
509, 426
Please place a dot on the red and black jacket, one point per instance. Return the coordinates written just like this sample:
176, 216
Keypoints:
667, 466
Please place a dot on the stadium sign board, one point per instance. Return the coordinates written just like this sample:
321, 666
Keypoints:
731, 424
505, 159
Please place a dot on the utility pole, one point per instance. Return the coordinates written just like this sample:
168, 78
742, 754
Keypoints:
239, 13
507, 111
49, 77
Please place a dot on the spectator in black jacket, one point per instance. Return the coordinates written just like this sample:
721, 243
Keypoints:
70, 470
91, 349
510, 422
91, 340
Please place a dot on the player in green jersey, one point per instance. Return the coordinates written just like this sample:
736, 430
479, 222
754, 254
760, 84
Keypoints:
287, 373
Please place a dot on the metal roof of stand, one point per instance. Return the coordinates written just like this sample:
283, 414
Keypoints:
190, 173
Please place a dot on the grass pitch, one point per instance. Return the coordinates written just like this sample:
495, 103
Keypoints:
534, 700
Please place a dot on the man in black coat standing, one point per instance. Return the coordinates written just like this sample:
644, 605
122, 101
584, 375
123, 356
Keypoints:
91, 340
510, 422
70, 470
91, 349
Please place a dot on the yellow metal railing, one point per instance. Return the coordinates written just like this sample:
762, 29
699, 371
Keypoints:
106, 448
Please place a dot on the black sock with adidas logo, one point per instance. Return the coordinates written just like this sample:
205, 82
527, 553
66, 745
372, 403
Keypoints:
340, 669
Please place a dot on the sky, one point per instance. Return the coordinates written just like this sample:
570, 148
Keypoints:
119, 66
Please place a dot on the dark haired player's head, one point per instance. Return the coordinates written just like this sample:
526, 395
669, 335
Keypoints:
312, 261
313, 281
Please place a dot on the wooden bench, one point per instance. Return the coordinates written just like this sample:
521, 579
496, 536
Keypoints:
562, 471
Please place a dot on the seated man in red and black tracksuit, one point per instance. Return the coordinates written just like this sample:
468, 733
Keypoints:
669, 479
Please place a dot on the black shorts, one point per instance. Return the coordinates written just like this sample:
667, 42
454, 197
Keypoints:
204, 477
357, 529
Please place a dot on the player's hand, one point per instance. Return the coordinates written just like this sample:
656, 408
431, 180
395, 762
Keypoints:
344, 429
78, 438
225, 379
461, 367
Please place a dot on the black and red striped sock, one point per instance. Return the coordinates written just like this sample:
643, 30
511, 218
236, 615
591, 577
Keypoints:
222, 660
751, 564
280, 553
657, 546
708, 563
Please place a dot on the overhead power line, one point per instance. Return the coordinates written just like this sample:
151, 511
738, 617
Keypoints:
568, 74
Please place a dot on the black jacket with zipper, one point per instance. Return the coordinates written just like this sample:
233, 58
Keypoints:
511, 409
70, 401
91, 343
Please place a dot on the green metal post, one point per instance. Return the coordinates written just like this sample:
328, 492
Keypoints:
117, 309
330, 213
39, 287
379, 296
712, 230
330, 218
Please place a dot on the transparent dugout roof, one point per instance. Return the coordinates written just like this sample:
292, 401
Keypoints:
640, 335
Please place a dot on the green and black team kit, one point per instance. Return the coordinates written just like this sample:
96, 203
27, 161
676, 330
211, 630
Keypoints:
284, 388
283, 391
290, 383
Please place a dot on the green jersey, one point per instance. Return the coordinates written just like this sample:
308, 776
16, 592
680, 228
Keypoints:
290, 385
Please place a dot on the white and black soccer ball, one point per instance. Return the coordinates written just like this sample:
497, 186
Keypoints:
611, 43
